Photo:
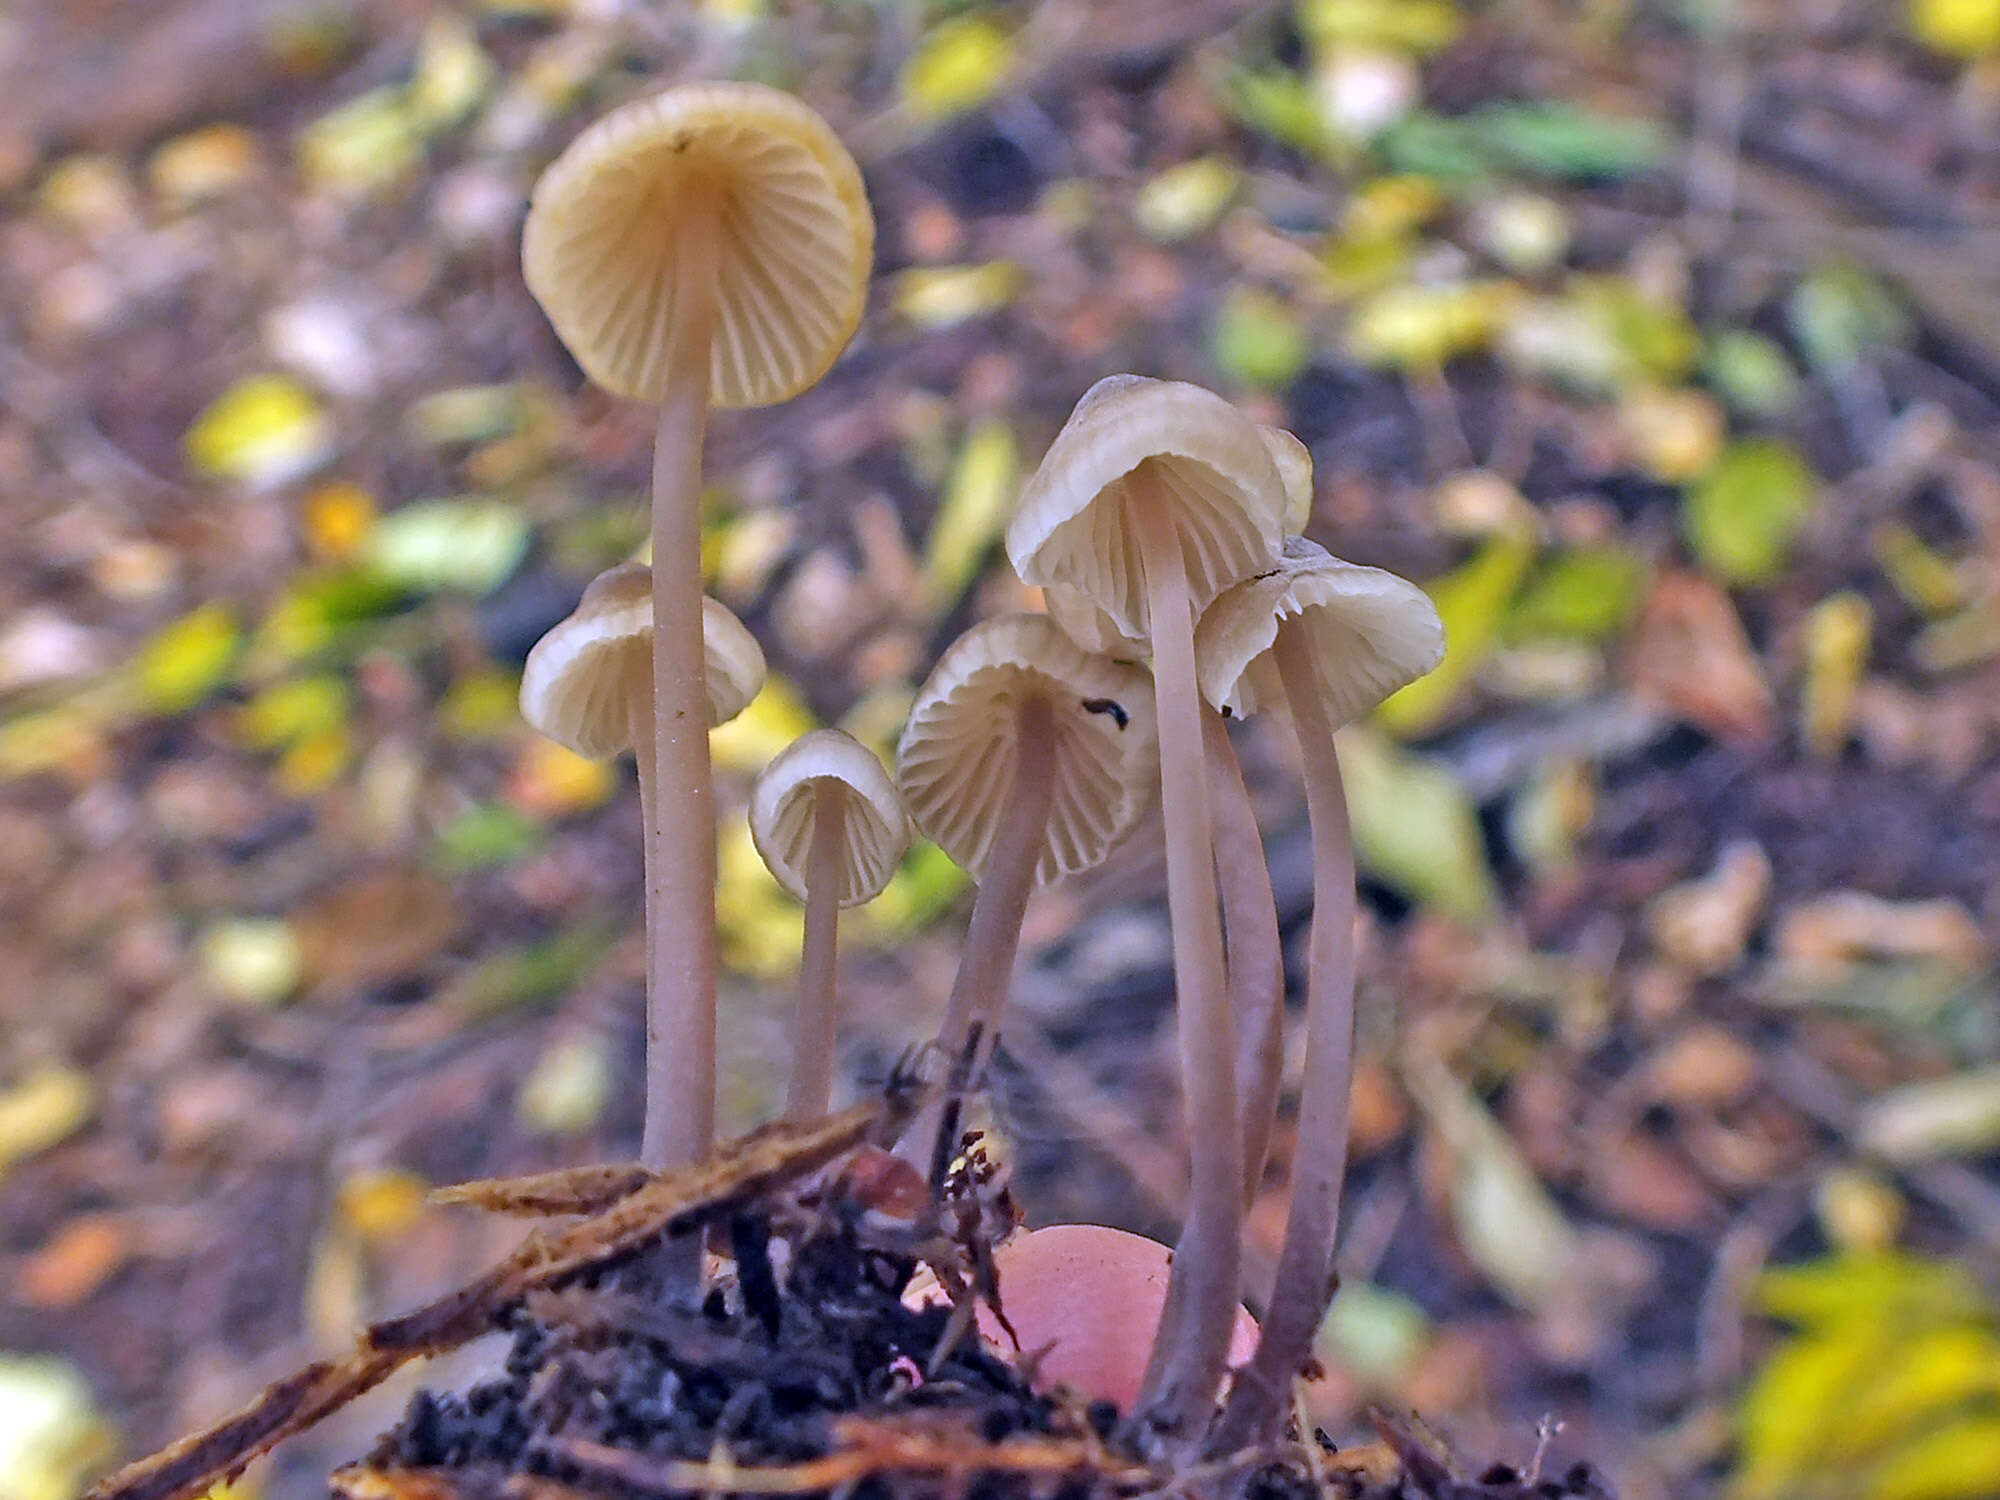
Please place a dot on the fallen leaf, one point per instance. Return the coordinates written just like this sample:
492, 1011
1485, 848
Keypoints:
1690, 656
42, 1110
1704, 925
1956, 1116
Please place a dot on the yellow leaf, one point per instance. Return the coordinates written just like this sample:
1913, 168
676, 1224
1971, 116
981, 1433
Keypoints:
1414, 827
1963, 28
942, 296
1838, 632
453, 75
50, 1435
553, 781
1186, 198
253, 960
775, 717
261, 432
336, 520
313, 763
187, 660
381, 1203
958, 66
369, 142
203, 164
1420, 328
1932, 1372
978, 500
565, 1091
759, 928
43, 1110
1796, 1401
1472, 601
1959, 1461
922, 890
68, 738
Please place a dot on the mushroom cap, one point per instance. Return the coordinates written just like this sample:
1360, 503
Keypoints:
590, 679
1373, 632
1073, 525
1090, 627
796, 240
956, 759
784, 810
1294, 463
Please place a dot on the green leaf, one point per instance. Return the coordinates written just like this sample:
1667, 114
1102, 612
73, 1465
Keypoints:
1742, 517
1568, 143
1751, 373
288, 712
1258, 341
1279, 104
1472, 602
187, 660
538, 974
1375, 1333
920, 892
1794, 1403
1585, 593
467, 545
1841, 315
978, 500
1415, 829
486, 835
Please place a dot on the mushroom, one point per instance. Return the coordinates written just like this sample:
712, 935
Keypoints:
1025, 759
1153, 498
709, 245
1328, 640
826, 818
589, 684
1255, 955
1072, 1295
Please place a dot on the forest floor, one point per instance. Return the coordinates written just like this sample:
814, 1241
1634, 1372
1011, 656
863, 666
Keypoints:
1668, 358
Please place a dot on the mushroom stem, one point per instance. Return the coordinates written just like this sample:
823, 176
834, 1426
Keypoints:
1253, 952
1191, 1347
1304, 1283
986, 968
813, 1028
680, 825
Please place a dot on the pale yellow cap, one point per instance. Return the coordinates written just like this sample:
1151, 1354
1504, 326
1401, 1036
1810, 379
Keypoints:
1090, 627
1372, 633
588, 683
1072, 526
956, 759
797, 240
1294, 463
784, 809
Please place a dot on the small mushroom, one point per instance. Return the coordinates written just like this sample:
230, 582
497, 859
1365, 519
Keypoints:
1328, 640
706, 246
588, 684
826, 818
1025, 759
1073, 1294
1154, 498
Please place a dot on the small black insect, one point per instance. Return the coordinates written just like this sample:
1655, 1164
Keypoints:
1108, 706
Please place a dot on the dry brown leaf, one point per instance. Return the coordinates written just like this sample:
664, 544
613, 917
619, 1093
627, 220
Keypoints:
568, 1190
1689, 656
1703, 925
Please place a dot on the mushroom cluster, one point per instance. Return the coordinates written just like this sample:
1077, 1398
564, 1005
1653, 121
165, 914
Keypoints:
710, 246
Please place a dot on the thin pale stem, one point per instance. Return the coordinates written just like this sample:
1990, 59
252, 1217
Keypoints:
986, 969
680, 825
1254, 954
1304, 1282
1191, 1347
815, 1026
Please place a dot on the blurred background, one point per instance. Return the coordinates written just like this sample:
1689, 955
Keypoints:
1660, 340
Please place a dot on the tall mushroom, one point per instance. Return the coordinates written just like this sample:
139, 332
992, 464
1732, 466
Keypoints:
826, 818
707, 246
1153, 498
1327, 640
1025, 759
